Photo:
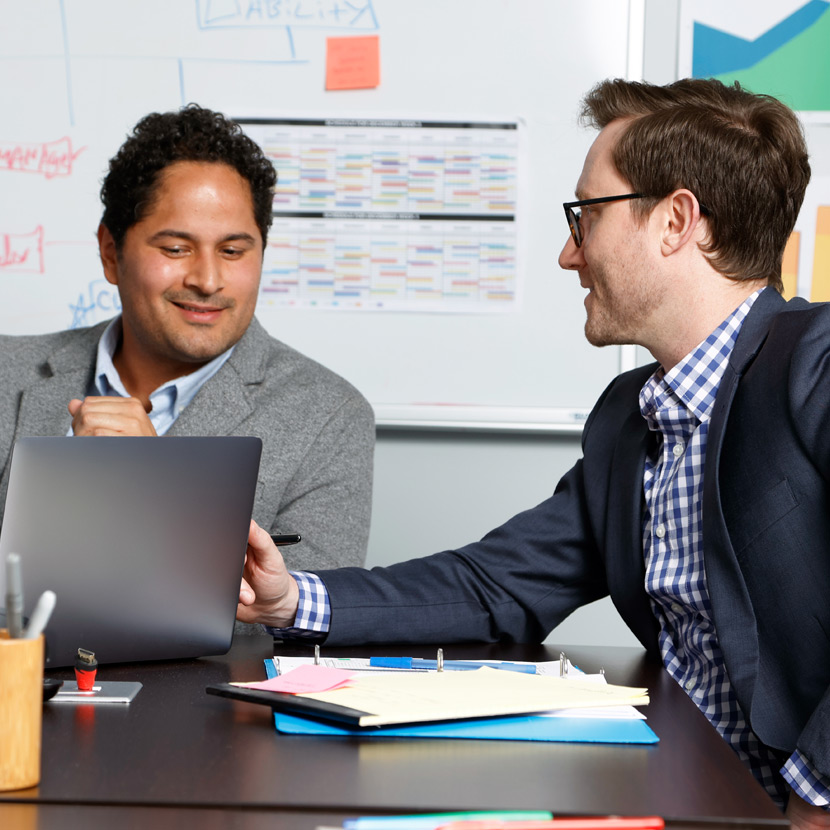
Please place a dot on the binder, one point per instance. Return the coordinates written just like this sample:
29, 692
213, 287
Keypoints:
527, 728
520, 728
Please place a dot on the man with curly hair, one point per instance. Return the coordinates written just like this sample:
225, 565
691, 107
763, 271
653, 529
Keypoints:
187, 208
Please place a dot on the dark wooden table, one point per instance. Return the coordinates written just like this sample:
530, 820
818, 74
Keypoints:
177, 752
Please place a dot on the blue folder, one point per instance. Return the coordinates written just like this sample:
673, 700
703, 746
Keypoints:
521, 728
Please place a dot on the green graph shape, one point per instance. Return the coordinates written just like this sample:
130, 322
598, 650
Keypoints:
796, 73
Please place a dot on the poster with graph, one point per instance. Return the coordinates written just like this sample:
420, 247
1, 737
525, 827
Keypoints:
806, 266
779, 48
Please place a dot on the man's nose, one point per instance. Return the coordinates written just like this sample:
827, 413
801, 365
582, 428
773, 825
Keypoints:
205, 275
571, 258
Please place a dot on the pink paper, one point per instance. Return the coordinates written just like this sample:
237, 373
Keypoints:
304, 679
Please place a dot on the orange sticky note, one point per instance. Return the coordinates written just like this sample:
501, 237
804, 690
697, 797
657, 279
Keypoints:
352, 62
303, 679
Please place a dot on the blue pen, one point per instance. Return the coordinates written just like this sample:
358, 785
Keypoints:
449, 665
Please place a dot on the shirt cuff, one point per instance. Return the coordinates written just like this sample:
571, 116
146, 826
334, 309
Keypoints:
313, 610
806, 782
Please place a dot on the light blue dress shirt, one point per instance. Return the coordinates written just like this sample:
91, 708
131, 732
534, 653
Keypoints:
169, 400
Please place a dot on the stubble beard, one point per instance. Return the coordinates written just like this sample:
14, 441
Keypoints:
619, 319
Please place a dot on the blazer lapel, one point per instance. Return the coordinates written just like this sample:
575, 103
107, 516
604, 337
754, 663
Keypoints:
219, 406
42, 411
625, 564
66, 374
732, 609
224, 401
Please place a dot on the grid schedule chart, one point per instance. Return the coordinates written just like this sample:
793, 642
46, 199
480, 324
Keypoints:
392, 214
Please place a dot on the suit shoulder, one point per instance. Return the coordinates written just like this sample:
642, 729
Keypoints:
24, 352
799, 328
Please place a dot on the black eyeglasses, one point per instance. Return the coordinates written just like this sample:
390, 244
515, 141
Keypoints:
573, 215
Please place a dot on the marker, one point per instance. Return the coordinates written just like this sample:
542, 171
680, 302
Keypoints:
283, 539
599, 823
449, 665
14, 596
40, 616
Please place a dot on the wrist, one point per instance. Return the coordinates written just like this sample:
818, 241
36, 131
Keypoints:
284, 611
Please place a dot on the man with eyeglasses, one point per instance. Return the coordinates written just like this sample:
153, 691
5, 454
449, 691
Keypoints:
701, 501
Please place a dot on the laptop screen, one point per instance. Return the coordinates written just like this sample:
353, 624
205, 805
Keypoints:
142, 539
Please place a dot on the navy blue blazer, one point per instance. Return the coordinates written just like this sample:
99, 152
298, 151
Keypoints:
766, 537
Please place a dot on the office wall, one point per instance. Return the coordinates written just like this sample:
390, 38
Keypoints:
438, 490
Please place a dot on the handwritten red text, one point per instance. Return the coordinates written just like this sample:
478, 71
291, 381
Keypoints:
49, 159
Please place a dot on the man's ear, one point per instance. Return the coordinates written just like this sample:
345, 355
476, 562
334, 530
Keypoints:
681, 221
108, 253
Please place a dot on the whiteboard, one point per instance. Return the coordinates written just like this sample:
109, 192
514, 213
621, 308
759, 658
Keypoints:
76, 75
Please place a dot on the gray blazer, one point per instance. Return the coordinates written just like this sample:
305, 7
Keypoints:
317, 430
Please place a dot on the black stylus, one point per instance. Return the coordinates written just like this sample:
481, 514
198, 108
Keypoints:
283, 539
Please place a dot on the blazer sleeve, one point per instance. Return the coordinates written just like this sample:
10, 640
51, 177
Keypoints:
516, 584
329, 497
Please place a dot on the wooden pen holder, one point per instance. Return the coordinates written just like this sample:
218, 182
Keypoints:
21, 711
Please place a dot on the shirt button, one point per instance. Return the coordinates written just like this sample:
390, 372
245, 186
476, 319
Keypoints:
689, 684
677, 449
676, 608
660, 531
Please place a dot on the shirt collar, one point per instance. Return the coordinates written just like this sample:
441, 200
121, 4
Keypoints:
694, 381
179, 391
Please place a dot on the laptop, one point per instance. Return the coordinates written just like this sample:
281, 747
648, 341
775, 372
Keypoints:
142, 539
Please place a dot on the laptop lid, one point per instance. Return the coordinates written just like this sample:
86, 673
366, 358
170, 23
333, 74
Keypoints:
142, 539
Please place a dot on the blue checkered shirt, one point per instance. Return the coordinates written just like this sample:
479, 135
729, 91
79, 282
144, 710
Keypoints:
677, 405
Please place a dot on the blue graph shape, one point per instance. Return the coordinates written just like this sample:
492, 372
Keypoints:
716, 52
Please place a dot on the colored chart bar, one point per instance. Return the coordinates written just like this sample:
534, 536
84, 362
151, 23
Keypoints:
789, 265
821, 256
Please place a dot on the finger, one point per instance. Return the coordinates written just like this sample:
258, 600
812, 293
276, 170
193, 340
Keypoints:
112, 416
246, 594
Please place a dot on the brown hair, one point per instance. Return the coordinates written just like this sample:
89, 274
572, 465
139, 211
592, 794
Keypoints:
743, 156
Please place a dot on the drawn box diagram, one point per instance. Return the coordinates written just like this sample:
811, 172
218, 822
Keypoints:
22, 253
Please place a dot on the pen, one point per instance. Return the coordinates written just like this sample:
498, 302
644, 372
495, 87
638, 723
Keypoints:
449, 665
283, 539
598, 823
40, 616
14, 596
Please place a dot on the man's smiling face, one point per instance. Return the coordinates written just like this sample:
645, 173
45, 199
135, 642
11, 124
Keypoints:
188, 273
617, 257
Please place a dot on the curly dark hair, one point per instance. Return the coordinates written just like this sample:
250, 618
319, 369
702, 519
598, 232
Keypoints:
191, 134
